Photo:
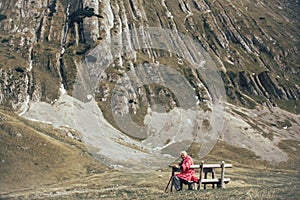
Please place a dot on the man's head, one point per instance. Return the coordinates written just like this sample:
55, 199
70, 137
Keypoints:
183, 155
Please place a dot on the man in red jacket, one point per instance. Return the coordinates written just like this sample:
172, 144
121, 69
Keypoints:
186, 173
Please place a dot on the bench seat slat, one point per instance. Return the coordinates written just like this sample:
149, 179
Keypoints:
215, 180
212, 180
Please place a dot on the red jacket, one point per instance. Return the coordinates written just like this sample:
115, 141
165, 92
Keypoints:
186, 173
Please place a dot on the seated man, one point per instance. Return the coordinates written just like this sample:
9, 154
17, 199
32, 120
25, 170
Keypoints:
186, 174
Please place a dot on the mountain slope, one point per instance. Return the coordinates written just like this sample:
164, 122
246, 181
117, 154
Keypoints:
35, 154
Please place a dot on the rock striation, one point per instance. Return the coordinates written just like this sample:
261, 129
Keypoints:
255, 55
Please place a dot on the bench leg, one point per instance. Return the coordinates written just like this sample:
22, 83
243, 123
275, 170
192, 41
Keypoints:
213, 176
205, 176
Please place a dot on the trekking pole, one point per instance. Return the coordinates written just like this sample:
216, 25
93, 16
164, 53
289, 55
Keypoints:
173, 172
168, 184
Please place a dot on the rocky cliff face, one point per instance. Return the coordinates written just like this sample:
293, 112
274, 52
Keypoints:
255, 45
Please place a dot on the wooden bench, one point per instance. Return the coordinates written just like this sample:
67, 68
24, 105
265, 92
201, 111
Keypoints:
205, 169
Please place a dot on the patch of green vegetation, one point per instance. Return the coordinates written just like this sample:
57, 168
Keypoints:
70, 59
256, 127
269, 135
236, 155
162, 96
259, 99
206, 124
178, 15
292, 106
80, 49
11, 60
243, 115
140, 114
281, 124
45, 69
292, 147
234, 96
115, 70
49, 84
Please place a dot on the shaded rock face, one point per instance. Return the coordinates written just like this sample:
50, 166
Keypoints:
263, 85
254, 44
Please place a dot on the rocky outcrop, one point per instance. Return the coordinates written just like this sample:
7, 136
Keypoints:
13, 87
257, 62
263, 87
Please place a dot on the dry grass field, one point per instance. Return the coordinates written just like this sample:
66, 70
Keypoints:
246, 183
